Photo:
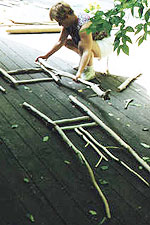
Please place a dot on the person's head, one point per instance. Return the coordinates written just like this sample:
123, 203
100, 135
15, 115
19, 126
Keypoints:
60, 11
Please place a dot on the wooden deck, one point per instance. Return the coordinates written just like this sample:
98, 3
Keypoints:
43, 182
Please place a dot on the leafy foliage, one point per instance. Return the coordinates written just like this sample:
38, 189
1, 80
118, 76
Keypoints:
116, 18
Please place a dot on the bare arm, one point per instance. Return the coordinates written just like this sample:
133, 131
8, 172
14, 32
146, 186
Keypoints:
57, 46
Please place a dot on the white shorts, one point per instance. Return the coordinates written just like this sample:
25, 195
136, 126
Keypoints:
106, 46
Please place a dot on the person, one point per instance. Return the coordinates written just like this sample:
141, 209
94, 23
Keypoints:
75, 37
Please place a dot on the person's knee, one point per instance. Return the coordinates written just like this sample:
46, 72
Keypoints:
68, 43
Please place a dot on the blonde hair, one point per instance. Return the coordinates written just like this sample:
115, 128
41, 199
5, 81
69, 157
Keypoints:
60, 10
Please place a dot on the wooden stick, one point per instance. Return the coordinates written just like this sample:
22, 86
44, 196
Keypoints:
128, 101
112, 156
94, 87
111, 132
56, 79
2, 89
30, 29
27, 70
34, 23
127, 82
79, 125
89, 142
72, 147
72, 120
31, 81
8, 77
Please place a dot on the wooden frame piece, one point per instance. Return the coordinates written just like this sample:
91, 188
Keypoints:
126, 83
89, 139
80, 155
8, 75
94, 87
110, 132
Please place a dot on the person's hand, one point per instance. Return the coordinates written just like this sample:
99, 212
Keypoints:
77, 77
42, 57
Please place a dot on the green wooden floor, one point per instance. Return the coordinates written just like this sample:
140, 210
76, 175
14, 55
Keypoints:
43, 182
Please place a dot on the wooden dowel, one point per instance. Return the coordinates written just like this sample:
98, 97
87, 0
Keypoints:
56, 78
34, 80
89, 142
27, 70
72, 120
7, 76
79, 125
127, 82
111, 132
30, 29
34, 23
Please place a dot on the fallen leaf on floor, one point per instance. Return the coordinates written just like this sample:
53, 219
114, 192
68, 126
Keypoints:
14, 126
103, 182
67, 162
92, 212
110, 114
104, 167
146, 158
140, 167
31, 218
46, 138
26, 180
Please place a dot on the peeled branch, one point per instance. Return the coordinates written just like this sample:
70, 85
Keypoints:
72, 147
111, 132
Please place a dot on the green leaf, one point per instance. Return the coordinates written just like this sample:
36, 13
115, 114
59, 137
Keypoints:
92, 212
140, 40
140, 167
128, 39
145, 2
26, 180
125, 49
118, 50
46, 138
147, 15
103, 182
14, 126
31, 218
140, 10
67, 162
129, 29
138, 27
116, 44
104, 167
145, 27
146, 158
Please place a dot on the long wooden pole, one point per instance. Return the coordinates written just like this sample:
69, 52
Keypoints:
111, 132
